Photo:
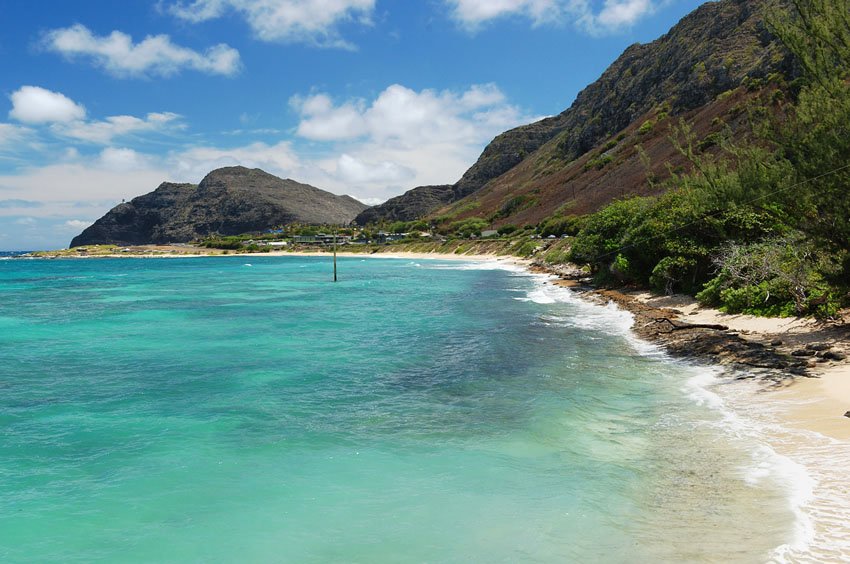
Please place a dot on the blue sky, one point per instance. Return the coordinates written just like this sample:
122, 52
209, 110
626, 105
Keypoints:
101, 100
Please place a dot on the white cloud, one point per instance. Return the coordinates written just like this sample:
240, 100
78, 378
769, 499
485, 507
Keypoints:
292, 21
474, 12
33, 104
321, 121
123, 160
355, 171
36, 105
77, 224
154, 55
593, 16
623, 13
103, 132
408, 118
10, 133
402, 138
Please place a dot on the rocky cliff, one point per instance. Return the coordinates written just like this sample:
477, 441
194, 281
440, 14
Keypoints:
228, 201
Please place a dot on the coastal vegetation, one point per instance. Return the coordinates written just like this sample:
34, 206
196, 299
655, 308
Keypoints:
762, 226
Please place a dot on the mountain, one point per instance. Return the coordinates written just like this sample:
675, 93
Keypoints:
411, 205
228, 201
702, 68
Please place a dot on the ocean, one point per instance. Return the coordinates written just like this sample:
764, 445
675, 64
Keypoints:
249, 409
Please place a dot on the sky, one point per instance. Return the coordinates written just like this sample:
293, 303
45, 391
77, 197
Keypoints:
101, 101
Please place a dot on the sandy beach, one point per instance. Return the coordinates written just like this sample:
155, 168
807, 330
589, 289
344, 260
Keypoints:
815, 404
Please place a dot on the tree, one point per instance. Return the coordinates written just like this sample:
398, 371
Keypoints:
815, 136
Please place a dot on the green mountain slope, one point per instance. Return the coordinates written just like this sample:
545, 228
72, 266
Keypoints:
718, 48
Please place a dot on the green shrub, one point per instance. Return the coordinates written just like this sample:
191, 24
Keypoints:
599, 162
559, 226
646, 127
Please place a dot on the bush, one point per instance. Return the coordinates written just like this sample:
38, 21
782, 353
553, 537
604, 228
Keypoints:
559, 226
779, 276
468, 227
516, 204
646, 127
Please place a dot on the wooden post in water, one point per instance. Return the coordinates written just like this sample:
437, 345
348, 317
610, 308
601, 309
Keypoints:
335, 231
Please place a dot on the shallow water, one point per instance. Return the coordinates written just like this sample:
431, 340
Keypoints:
233, 409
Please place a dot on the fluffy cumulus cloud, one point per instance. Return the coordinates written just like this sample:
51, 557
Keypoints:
154, 55
407, 118
33, 104
41, 107
622, 13
593, 16
403, 138
300, 21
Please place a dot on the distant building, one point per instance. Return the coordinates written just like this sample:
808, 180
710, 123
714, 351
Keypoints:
384, 237
489, 233
321, 239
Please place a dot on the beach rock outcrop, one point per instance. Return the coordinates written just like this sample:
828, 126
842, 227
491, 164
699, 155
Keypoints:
228, 201
702, 341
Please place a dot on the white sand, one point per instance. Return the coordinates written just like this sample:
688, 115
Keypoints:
813, 404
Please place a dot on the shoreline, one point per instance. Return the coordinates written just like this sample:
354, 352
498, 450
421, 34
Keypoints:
801, 363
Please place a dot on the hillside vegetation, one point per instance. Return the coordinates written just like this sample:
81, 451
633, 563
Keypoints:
762, 226
704, 70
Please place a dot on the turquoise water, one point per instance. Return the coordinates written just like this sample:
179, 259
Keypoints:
247, 409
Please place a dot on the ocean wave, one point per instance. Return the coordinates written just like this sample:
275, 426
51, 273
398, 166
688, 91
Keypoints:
480, 265
583, 314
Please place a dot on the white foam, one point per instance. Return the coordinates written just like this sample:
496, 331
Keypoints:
815, 478
480, 265
811, 468
582, 314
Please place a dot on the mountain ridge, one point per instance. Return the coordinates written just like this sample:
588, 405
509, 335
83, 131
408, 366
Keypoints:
228, 201
713, 50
